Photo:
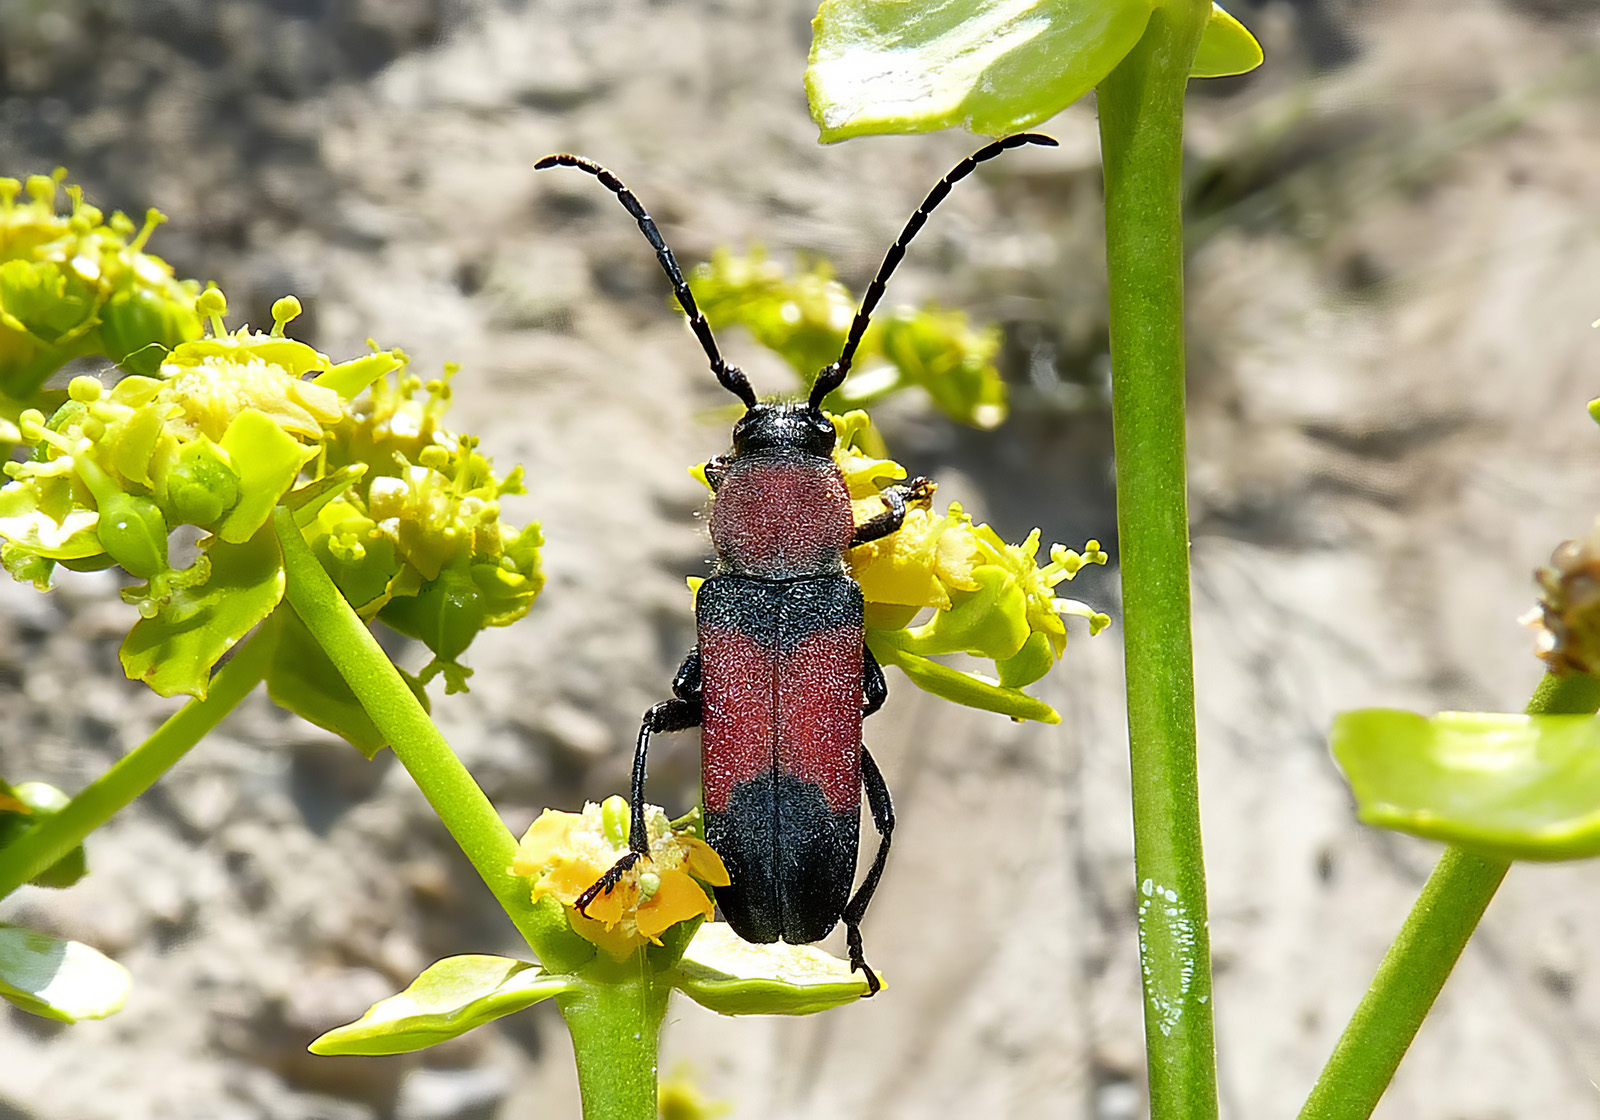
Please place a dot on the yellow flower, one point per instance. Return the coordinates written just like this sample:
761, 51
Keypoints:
567, 853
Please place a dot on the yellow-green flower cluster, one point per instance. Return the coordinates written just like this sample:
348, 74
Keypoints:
418, 542
990, 599
213, 440
805, 317
231, 425
565, 854
78, 284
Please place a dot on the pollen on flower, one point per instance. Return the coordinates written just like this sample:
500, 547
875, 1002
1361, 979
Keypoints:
565, 854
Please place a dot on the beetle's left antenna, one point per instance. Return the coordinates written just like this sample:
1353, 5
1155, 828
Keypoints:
833, 376
732, 377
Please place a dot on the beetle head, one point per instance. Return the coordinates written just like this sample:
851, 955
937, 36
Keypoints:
783, 425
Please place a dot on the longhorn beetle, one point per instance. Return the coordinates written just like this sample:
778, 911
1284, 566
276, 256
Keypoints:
782, 678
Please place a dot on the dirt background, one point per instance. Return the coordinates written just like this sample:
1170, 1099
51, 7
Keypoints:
1395, 262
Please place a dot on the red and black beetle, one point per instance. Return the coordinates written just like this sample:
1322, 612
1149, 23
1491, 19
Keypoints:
781, 678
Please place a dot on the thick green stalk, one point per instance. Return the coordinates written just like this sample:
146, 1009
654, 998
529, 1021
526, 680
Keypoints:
1141, 140
615, 1018
136, 771
416, 742
1425, 951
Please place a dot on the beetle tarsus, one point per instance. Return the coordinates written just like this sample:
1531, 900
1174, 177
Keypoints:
858, 961
897, 499
607, 882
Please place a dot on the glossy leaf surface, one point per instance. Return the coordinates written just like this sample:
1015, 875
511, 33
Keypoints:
993, 68
62, 980
447, 1000
1523, 787
732, 977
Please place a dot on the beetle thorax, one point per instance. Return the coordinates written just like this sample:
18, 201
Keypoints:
781, 514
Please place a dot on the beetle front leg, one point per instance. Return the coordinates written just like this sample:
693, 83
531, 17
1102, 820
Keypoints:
899, 497
883, 819
678, 714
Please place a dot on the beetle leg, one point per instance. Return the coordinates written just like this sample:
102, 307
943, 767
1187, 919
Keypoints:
874, 689
678, 714
919, 491
883, 818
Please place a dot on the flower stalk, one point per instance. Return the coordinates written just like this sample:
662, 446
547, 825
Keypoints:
398, 715
1141, 131
615, 1019
136, 771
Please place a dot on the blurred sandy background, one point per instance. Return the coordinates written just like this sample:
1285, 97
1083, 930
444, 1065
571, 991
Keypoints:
1395, 262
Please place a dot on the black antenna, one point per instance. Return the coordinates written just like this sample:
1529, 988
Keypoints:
732, 378
833, 376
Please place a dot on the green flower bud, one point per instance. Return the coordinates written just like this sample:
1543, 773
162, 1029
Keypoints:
202, 486
1029, 664
445, 616
615, 818
140, 324
134, 535
131, 528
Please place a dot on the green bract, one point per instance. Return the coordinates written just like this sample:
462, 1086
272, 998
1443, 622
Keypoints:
805, 317
62, 980
447, 1000
1522, 787
75, 284
717, 970
994, 68
721, 972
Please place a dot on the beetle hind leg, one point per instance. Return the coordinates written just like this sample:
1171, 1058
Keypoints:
678, 714
883, 819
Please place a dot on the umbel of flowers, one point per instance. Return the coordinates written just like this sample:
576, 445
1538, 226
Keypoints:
405, 514
79, 284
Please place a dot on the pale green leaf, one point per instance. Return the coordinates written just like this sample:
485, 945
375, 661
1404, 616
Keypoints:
1524, 787
447, 1000
730, 976
991, 66
62, 980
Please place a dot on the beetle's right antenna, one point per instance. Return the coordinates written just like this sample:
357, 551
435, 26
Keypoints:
732, 377
833, 376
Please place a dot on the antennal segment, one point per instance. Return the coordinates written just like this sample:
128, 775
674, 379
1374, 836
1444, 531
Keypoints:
731, 377
833, 376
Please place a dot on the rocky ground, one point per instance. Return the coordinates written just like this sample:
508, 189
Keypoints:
1394, 268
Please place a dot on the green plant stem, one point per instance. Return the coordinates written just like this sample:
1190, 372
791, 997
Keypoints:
1424, 953
1141, 141
395, 711
136, 771
615, 1018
